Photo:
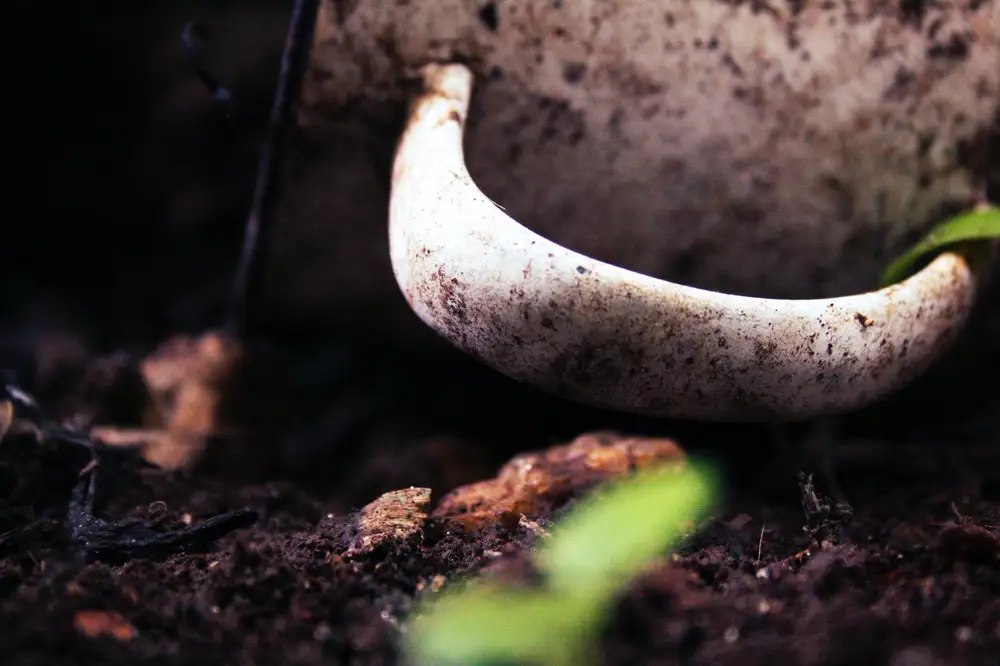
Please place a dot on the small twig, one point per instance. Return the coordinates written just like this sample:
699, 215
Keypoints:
127, 539
760, 543
94, 536
826, 522
248, 275
24, 413
191, 39
533, 527
89, 467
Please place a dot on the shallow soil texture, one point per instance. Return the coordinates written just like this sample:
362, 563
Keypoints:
137, 195
913, 577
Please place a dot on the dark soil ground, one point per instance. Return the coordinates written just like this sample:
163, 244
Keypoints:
912, 578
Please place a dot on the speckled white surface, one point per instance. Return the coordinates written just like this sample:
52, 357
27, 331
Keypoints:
748, 147
603, 335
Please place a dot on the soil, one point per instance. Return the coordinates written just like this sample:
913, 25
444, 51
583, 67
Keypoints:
910, 577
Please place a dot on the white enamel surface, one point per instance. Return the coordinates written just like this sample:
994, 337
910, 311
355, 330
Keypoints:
602, 335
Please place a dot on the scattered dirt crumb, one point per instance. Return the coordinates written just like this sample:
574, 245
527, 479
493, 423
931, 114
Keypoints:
536, 483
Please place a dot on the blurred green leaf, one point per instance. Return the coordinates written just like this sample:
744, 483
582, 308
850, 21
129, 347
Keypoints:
977, 225
482, 625
610, 537
604, 542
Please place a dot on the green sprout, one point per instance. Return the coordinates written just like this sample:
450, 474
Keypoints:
601, 546
977, 225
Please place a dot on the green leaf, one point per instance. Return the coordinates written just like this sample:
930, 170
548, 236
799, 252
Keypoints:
482, 625
609, 538
978, 225
605, 541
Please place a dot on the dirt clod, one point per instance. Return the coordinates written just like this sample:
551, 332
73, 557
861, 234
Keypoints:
396, 517
534, 484
211, 401
96, 624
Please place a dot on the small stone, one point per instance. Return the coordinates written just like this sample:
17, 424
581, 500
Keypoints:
534, 483
99, 624
395, 517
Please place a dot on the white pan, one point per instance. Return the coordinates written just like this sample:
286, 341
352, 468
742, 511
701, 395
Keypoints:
609, 337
